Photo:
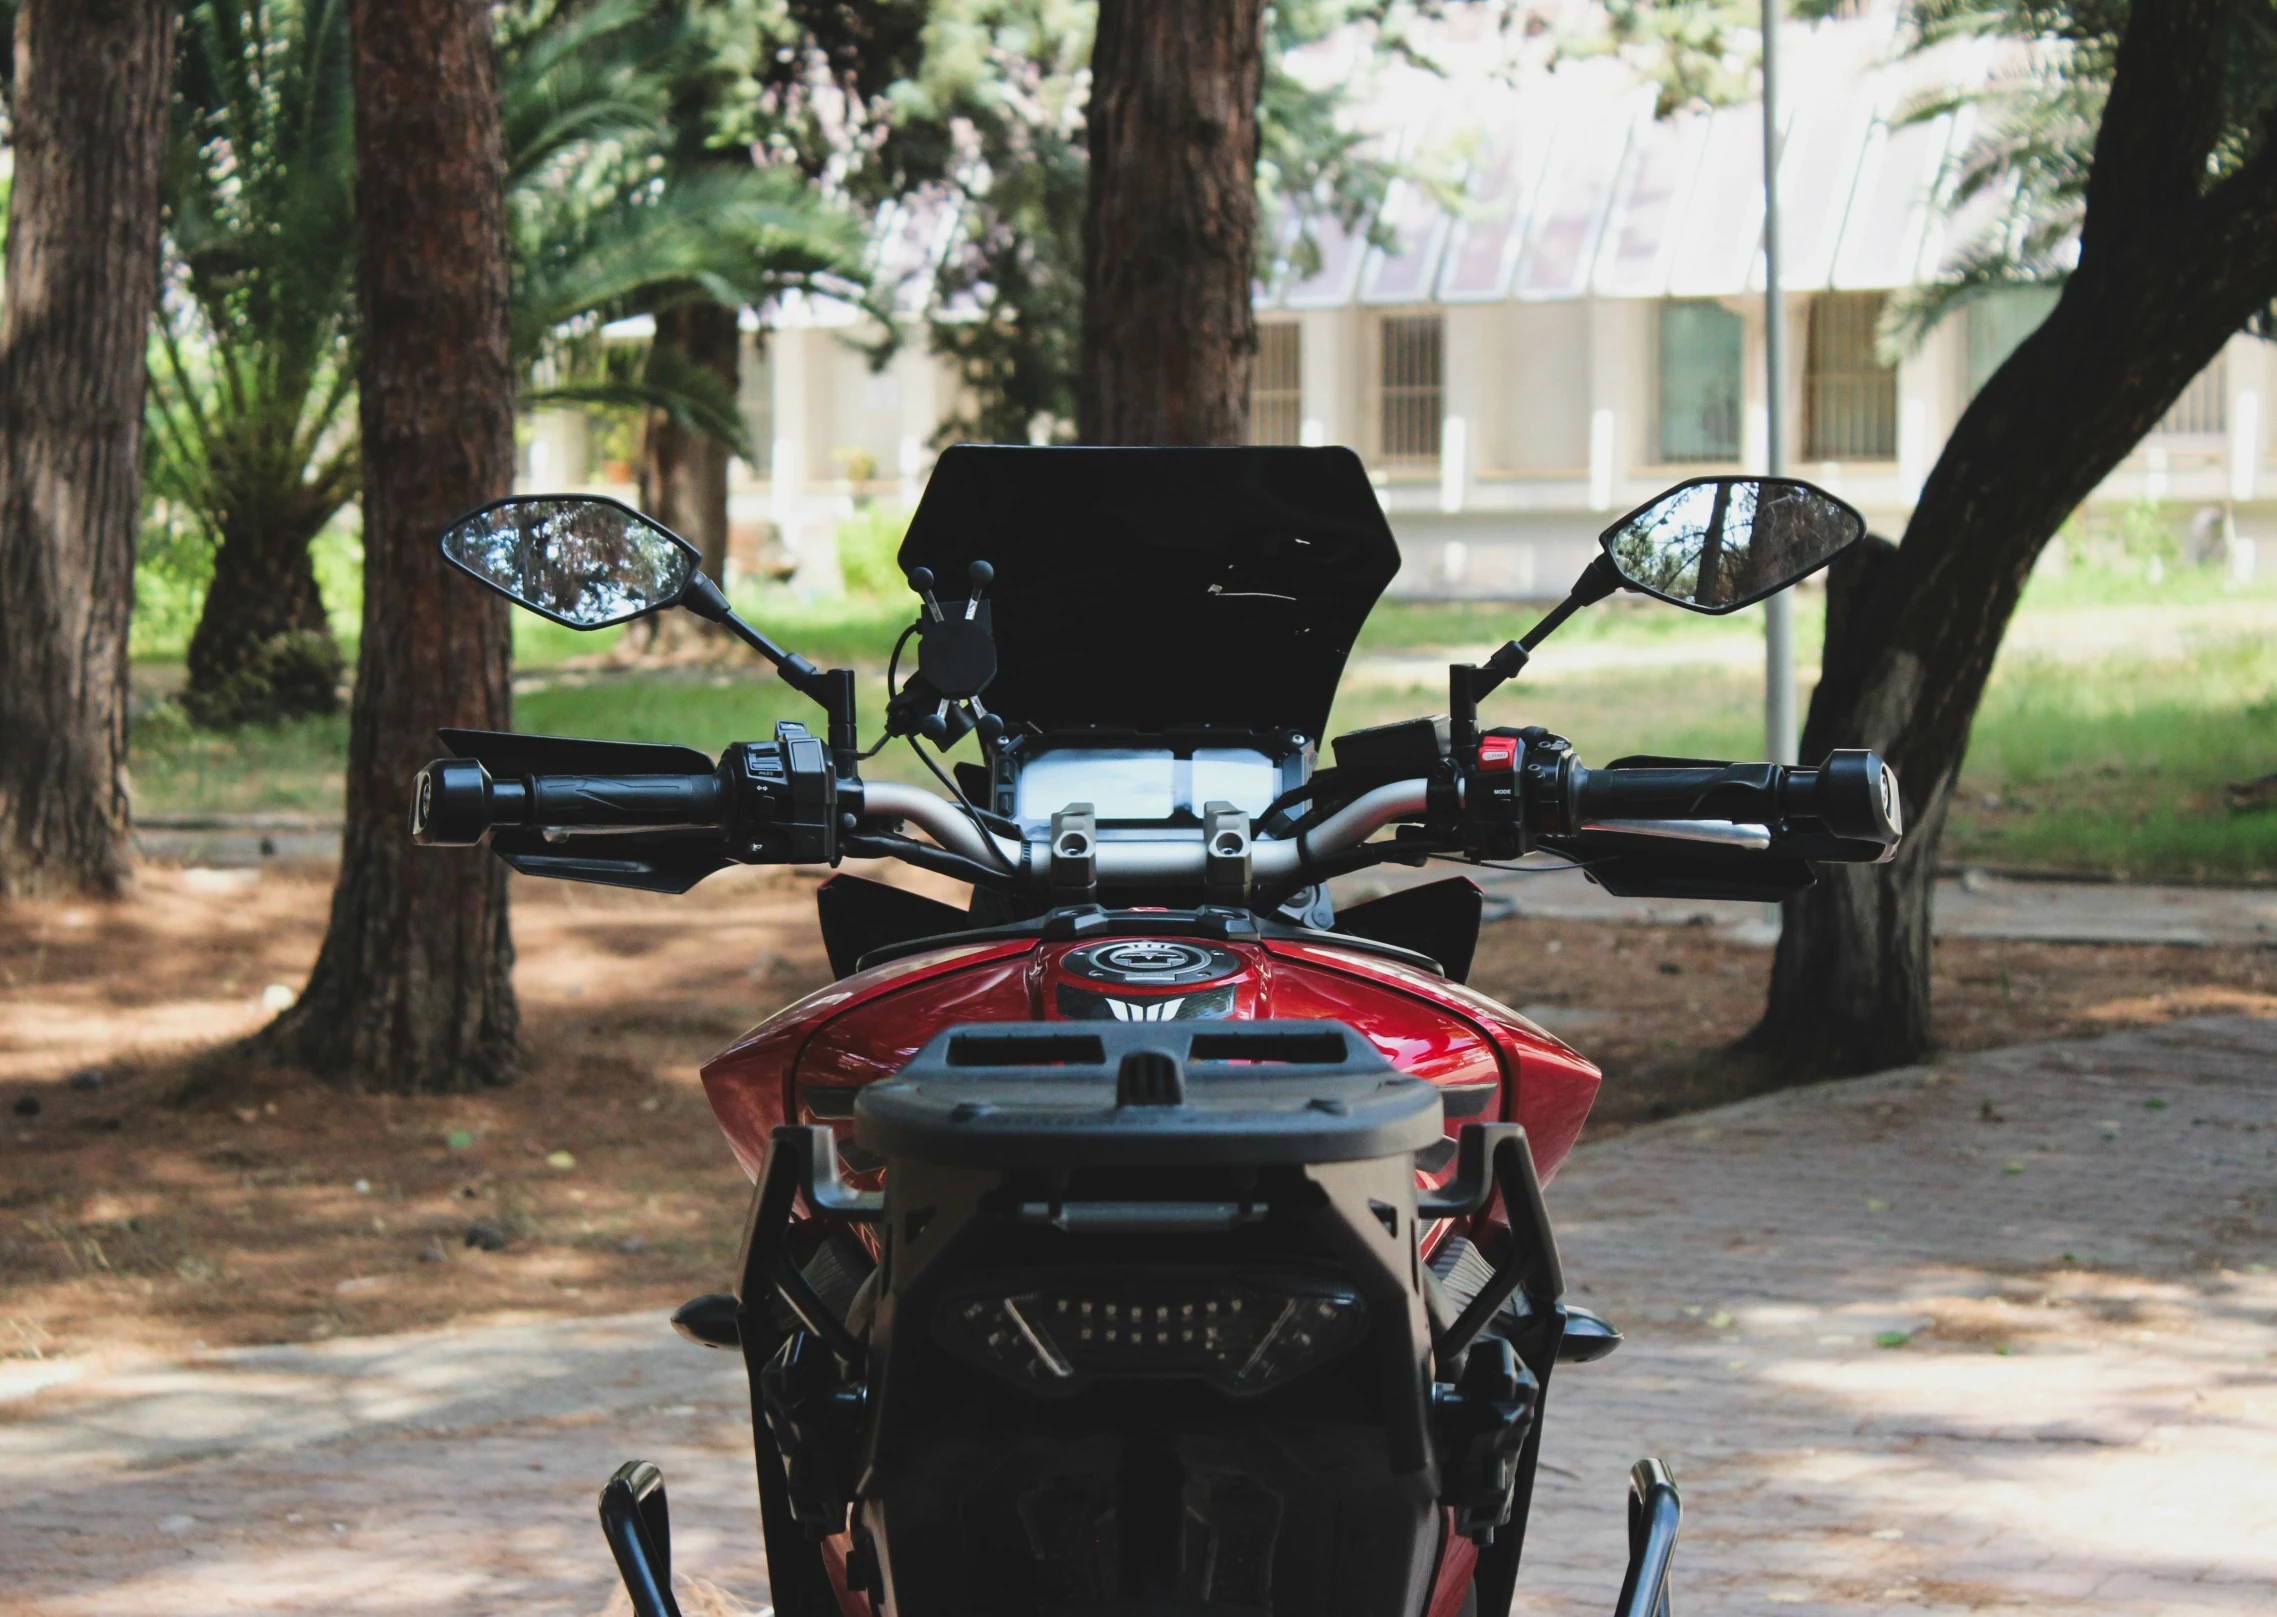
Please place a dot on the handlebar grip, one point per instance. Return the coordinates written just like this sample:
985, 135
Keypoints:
1853, 795
1670, 792
455, 803
629, 802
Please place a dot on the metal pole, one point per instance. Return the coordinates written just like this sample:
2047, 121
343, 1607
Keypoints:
1780, 738
1779, 729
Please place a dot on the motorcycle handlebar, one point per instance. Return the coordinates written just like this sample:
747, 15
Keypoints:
455, 803
1853, 794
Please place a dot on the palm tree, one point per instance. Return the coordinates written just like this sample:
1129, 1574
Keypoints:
251, 410
252, 400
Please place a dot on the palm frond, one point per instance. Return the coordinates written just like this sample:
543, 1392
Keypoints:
734, 236
619, 378
597, 74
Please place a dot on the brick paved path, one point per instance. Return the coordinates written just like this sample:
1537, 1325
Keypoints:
2105, 1211
2120, 1457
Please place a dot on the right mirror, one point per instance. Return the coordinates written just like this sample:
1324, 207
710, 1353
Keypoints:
1716, 544
583, 562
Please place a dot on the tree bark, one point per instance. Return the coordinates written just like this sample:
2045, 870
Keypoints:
263, 646
413, 989
82, 278
2168, 272
683, 473
1170, 227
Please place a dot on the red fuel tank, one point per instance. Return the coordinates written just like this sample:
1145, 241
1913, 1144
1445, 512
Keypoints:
805, 1063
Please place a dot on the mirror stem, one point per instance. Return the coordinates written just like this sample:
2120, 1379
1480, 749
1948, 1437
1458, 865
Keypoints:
1597, 581
705, 599
833, 689
1469, 684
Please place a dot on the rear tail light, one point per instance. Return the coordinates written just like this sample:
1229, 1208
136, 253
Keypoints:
1242, 1336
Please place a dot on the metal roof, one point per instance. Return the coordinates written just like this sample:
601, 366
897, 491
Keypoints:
1565, 185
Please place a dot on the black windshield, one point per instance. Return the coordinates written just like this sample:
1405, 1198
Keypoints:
1157, 589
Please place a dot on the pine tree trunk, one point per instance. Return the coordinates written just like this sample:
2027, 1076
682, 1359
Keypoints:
2168, 272
683, 473
413, 990
82, 275
1170, 230
263, 646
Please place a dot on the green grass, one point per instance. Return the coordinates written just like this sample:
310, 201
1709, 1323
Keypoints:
693, 710
1686, 712
296, 768
1475, 628
2123, 772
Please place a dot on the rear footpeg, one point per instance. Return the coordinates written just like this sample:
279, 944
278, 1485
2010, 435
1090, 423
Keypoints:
1655, 1511
638, 1525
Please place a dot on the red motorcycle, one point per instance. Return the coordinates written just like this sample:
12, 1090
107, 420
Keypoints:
1151, 1237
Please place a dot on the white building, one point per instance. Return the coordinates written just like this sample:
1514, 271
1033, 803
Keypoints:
1581, 329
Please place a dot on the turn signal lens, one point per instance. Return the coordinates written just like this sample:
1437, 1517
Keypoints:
1242, 1336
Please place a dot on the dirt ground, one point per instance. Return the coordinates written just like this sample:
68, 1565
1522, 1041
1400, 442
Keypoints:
1658, 1006
282, 1211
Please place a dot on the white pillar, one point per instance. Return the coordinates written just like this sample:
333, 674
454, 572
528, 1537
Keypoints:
807, 526
920, 418
1601, 425
786, 459
1320, 380
558, 452
1463, 361
1613, 362
1454, 463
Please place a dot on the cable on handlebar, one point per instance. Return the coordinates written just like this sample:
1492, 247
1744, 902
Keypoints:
893, 664
1567, 861
926, 856
987, 837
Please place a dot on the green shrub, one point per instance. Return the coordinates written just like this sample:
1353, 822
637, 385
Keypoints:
867, 542
296, 675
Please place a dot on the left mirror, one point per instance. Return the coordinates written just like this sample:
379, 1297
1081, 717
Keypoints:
584, 562
1716, 544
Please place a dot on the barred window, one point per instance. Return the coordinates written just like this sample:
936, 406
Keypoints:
1276, 386
2203, 409
1411, 372
1699, 382
1849, 395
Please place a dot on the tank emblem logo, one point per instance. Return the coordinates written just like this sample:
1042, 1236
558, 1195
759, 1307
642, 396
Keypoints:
1150, 963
